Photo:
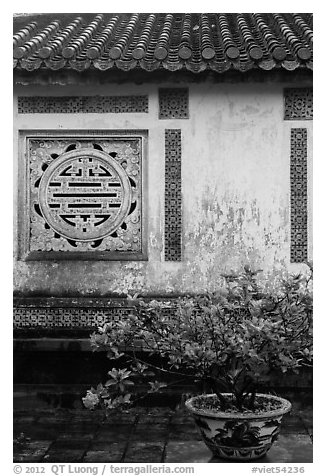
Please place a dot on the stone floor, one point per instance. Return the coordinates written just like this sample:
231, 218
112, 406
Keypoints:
144, 435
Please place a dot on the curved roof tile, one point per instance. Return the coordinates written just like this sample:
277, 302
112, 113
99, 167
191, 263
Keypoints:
191, 41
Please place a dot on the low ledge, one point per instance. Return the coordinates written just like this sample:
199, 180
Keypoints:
52, 344
67, 301
63, 344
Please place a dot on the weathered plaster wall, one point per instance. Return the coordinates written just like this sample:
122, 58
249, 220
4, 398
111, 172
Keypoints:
235, 186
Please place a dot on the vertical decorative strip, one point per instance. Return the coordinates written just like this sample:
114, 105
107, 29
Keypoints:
173, 212
298, 177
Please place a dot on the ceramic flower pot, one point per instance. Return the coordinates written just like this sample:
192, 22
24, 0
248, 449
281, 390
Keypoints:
239, 436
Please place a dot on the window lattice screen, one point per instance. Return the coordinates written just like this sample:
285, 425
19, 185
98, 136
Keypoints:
298, 175
298, 104
81, 104
173, 103
84, 196
173, 200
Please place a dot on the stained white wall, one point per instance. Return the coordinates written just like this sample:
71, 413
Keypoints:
235, 186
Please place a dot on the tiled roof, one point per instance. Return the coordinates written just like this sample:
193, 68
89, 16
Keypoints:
188, 41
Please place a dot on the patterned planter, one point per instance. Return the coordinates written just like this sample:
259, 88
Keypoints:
241, 436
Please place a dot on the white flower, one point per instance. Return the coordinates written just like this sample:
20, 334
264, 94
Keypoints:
91, 400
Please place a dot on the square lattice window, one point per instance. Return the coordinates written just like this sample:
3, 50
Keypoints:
173, 103
298, 104
82, 195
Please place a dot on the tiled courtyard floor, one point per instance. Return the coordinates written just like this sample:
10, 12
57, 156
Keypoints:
144, 435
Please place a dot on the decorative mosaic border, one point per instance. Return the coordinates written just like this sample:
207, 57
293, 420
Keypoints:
69, 318
299, 199
81, 104
70, 313
173, 201
173, 103
298, 104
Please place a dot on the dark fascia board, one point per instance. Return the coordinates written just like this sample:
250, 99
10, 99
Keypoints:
138, 76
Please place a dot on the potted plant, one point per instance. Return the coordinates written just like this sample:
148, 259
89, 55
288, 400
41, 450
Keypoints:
228, 342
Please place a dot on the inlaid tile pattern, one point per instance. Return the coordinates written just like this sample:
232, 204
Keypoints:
173, 103
81, 104
298, 104
69, 317
299, 199
65, 317
173, 200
